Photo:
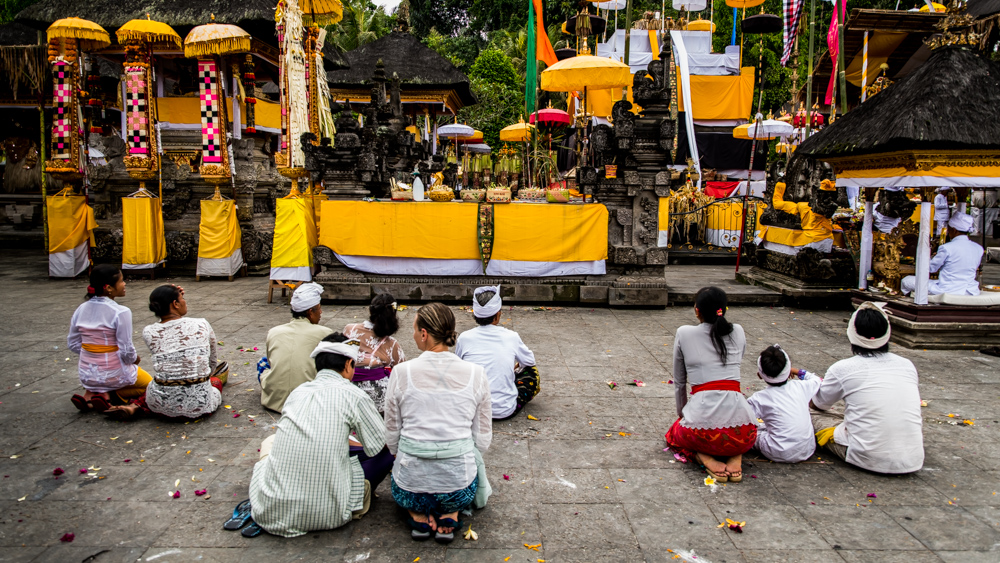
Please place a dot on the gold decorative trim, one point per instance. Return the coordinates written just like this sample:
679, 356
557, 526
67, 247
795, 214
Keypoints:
914, 160
213, 170
184, 158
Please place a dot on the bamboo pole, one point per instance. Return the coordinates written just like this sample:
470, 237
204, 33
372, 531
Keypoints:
809, 77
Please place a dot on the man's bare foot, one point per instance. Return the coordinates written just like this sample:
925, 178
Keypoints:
712, 464
734, 466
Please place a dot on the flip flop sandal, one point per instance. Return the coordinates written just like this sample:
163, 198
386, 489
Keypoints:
718, 478
241, 517
122, 415
252, 531
450, 536
735, 479
420, 531
80, 403
99, 404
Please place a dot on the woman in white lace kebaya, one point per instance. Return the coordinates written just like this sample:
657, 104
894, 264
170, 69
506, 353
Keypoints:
379, 351
183, 357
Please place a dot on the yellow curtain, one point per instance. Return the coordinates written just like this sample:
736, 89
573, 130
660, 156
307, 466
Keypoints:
720, 97
294, 234
550, 233
187, 109
654, 44
315, 205
142, 224
219, 230
881, 45
71, 222
663, 218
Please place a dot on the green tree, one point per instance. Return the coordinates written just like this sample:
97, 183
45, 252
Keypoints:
363, 23
499, 105
492, 15
460, 50
448, 17
10, 8
493, 66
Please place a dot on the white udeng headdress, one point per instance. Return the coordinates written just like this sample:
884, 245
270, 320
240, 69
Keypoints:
782, 376
306, 296
348, 348
863, 341
492, 307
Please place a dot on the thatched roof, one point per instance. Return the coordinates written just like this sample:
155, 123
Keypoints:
15, 34
418, 66
982, 8
951, 102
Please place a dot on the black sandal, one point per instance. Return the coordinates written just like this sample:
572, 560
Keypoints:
241, 517
441, 537
420, 531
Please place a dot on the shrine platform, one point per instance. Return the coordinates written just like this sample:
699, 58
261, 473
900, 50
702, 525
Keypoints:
935, 326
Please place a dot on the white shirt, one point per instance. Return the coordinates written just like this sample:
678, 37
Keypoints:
882, 426
496, 349
101, 321
696, 362
437, 397
883, 223
956, 263
941, 211
787, 433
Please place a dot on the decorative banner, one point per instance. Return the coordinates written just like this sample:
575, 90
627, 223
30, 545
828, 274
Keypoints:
137, 119
791, 11
211, 107
64, 111
249, 82
833, 44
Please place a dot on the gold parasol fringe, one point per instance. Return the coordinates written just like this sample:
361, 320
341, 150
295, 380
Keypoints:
78, 33
220, 47
132, 35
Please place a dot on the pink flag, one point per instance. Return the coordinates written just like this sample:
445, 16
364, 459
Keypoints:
833, 43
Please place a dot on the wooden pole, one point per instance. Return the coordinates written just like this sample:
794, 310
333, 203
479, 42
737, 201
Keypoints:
628, 33
812, 55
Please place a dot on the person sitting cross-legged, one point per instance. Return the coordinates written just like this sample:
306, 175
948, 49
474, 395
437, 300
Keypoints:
499, 351
312, 474
956, 262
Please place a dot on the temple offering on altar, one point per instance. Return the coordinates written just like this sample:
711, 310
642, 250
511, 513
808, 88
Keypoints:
473, 195
441, 193
498, 194
531, 194
401, 191
557, 195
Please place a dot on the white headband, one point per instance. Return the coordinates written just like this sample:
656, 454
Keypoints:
306, 296
863, 341
491, 308
782, 376
349, 348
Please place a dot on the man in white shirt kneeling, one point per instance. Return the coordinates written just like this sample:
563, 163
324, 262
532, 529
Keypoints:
499, 351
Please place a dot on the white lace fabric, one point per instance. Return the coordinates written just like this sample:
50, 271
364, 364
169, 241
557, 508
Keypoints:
183, 348
103, 322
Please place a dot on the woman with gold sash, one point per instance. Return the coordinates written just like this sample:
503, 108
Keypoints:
101, 333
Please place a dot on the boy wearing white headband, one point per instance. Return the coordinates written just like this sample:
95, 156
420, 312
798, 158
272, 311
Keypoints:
786, 435
499, 350
312, 475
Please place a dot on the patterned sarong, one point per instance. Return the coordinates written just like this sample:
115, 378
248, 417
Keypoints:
720, 442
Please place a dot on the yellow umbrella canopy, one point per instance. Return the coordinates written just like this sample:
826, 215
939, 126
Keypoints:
743, 3
516, 133
321, 12
700, 25
90, 35
216, 39
585, 71
937, 7
148, 31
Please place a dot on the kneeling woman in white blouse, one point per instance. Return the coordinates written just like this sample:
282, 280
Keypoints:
438, 419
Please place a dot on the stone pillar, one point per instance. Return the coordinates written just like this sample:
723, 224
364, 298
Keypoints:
924, 246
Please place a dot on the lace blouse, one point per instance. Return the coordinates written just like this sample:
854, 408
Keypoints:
697, 362
182, 348
375, 352
103, 322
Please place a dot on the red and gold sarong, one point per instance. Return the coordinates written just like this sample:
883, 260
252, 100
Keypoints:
719, 442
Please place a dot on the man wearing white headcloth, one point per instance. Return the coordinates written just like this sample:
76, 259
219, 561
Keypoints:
288, 347
313, 474
499, 351
956, 262
879, 427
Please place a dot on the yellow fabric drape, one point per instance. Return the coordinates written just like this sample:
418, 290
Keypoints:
142, 225
881, 45
71, 222
444, 231
815, 227
187, 109
315, 205
728, 216
599, 102
219, 230
550, 233
937, 172
294, 234
654, 44
720, 97
663, 214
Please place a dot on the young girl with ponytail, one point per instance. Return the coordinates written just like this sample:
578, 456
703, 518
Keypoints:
716, 426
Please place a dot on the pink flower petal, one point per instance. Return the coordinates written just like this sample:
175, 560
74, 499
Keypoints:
83, 470
127, 460
201, 492
177, 494
872, 495
506, 477
67, 537
58, 471
236, 415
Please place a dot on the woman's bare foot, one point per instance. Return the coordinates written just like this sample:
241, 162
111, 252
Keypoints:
453, 516
429, 520
712, 464
89, 395
130, 409
734, 466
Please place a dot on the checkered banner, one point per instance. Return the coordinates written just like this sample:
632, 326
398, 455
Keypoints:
212, 139
137, 111
62, 111
791, 11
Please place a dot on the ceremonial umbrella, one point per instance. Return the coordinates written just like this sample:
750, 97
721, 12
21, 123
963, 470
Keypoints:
550, 117
937, 7
322, 12
585, 71
90, 35
216, 39
456, 131
479, 148
148, 31
700, 25
763, 130
476, 137
516, 133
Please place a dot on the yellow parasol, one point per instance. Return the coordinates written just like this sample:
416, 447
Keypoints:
216, 39
322, 12
148, 31
585, 71
90, 35
700, 25
516, 133
743, 3
937, 8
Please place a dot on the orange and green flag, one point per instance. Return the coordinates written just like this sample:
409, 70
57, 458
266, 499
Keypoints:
538, 42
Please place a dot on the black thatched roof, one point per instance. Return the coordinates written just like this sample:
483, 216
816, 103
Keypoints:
417, 66
12, 34
982, 8
951, 102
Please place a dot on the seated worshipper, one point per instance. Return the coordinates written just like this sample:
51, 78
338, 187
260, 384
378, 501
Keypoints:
499, 351
956, 262
438, 422
942, 213
786, 435
879, 427
716, 422
379, 351
288, 347
184, 359
308, 478
100, 331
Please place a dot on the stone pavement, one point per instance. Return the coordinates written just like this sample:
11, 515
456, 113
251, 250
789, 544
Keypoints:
589, 480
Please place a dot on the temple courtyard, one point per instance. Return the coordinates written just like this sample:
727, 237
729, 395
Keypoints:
584, 478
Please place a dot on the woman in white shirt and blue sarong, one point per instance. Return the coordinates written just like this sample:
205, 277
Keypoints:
438, 419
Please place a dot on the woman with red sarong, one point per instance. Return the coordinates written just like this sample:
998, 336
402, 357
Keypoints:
717, 425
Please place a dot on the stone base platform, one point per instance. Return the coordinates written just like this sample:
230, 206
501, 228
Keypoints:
937, 327
796, 289
343, 285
